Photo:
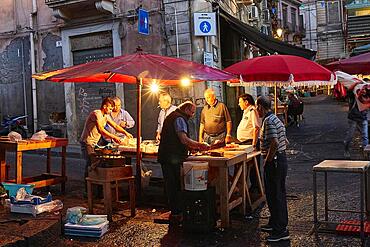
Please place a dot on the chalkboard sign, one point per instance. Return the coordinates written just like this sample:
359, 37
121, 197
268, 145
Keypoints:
89, 97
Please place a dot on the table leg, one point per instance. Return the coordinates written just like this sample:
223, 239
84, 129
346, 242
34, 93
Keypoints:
326, 195
132, 197
362, 233
18, 164
243, 185
48, 160
248, 195
224, 201
3, 174
258, 176
89, 197
63, 185
286, 116
108, 199
315, 221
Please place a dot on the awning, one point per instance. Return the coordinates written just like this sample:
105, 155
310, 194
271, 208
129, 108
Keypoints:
360, 49
264, 41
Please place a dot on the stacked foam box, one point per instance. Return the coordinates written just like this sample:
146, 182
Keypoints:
95, 231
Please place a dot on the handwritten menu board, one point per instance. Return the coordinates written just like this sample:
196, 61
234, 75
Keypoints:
89, 97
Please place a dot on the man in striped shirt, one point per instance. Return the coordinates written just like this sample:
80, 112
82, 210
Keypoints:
273, 145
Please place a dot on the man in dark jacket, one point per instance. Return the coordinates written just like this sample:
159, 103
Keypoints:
356, 119
173, 150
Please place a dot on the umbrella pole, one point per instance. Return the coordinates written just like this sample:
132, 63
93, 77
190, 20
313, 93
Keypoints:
275, 99
138, 150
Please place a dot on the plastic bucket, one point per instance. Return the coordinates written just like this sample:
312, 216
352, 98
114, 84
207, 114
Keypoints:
195, 175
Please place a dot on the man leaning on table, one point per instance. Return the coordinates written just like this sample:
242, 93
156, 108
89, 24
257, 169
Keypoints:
94, 130
166, 106
215, 120
273, 145
173, 150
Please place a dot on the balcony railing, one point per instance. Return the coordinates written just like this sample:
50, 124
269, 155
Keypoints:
73, 9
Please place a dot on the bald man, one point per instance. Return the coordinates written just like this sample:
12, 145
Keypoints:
215, 120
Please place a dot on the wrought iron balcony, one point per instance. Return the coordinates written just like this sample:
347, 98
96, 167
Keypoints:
74, 9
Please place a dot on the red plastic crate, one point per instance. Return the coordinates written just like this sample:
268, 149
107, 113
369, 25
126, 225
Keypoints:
353, 229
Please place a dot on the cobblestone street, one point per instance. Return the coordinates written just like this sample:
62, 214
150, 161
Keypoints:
318, 138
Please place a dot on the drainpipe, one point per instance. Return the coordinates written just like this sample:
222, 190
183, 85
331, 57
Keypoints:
33, 65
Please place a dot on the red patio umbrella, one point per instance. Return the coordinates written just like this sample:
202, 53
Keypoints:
139, 68
280, 70
354, 65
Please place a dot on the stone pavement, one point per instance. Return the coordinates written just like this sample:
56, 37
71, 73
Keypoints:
319, 137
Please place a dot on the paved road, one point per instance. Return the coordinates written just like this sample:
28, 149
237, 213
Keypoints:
319, 137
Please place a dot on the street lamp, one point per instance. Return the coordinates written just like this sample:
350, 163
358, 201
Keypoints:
279, 32
177, 36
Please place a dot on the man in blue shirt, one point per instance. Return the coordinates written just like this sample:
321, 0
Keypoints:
120, 117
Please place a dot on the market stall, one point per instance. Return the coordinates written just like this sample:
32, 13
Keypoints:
280, 70
19, 147
221, 161
138, 68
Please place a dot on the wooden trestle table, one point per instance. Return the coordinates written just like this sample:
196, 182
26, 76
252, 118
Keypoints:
19, 147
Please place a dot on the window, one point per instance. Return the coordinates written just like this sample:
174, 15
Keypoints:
294, 18
285, 15
333, 12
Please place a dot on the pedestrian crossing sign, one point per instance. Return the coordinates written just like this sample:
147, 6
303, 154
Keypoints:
205, 24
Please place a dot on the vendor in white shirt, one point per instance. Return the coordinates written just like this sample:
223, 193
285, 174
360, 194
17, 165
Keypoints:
248, 129
164, 103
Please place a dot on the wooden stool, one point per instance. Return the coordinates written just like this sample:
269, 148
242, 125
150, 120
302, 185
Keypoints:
252, 161
106, 182
367, 151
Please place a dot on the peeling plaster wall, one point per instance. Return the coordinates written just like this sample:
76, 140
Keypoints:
14, 75
50, 95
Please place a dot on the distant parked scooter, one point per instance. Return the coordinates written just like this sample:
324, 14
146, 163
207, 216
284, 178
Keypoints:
16, 123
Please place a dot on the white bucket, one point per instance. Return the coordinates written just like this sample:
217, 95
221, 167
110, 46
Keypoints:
195, 175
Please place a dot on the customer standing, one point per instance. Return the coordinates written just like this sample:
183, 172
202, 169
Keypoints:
173, 150
166, 106
273, 145
356, 119
215, 120
248, 130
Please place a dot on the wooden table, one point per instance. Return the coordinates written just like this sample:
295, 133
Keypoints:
19, 147
340, 166
242, 162
283, 110
238, 160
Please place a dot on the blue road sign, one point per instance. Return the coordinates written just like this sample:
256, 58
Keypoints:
143, 25
205, 27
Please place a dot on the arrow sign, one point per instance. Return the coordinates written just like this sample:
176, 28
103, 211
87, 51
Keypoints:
143, 24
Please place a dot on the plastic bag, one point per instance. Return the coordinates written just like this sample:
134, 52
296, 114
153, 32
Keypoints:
145, 175
39, 136
14, 136
52, 206
75, 214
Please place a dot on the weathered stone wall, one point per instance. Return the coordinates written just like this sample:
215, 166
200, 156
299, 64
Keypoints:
14, 76
50, 95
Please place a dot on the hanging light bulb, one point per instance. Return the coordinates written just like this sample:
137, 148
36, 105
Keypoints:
185, 82
154, 87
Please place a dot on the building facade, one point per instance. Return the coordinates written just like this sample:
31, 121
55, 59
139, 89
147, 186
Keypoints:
44, 35
358, 24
